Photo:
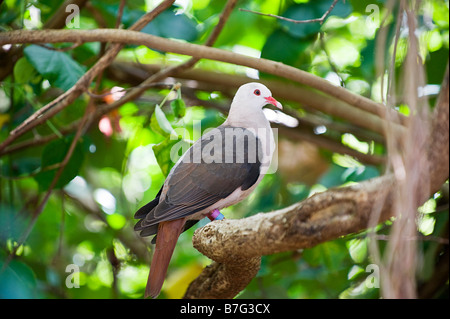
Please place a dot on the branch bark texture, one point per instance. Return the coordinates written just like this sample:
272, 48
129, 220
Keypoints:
322, 217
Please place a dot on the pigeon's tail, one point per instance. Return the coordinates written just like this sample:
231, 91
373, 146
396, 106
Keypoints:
168, 233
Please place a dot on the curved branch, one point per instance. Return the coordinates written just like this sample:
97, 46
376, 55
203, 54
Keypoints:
194, 50
287, 91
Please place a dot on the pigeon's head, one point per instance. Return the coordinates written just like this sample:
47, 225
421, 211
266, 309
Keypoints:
255, 95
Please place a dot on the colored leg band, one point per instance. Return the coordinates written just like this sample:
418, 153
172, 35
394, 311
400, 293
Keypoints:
215, 215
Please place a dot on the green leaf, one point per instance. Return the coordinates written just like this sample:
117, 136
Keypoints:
292, 47
342, 8
331, 254
178, 107
57, 67
24, 72
312, 10
21, 166
361, 173
54, 153
169, 151
361, 6
159, 122
17, 281
333, 176
435, 71
301, 12
12, 225
357, 249
171, 25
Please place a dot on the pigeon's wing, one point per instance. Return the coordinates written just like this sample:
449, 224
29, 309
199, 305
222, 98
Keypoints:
225, 159
144, 210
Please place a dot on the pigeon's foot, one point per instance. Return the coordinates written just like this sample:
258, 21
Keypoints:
215, 215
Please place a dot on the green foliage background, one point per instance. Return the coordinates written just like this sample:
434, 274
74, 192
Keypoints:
88, 220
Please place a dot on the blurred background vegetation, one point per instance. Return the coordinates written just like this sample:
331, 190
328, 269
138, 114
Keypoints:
120, 163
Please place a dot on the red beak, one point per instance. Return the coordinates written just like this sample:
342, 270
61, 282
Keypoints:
274, 102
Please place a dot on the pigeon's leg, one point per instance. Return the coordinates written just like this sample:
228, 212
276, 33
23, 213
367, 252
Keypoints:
215, 215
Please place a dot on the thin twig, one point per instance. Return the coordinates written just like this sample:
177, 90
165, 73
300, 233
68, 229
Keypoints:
391, 78
120, 13
380, 46
34, 173
320, 20
330, 62
64, 49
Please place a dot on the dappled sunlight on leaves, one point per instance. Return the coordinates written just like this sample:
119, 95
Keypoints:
123, 155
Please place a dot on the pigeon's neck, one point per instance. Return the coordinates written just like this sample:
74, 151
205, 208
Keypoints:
246, 117
256, 121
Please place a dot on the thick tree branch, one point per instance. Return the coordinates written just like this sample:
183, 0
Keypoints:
321, 217
220, 281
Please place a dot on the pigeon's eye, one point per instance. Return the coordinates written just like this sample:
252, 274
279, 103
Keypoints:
257, 92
